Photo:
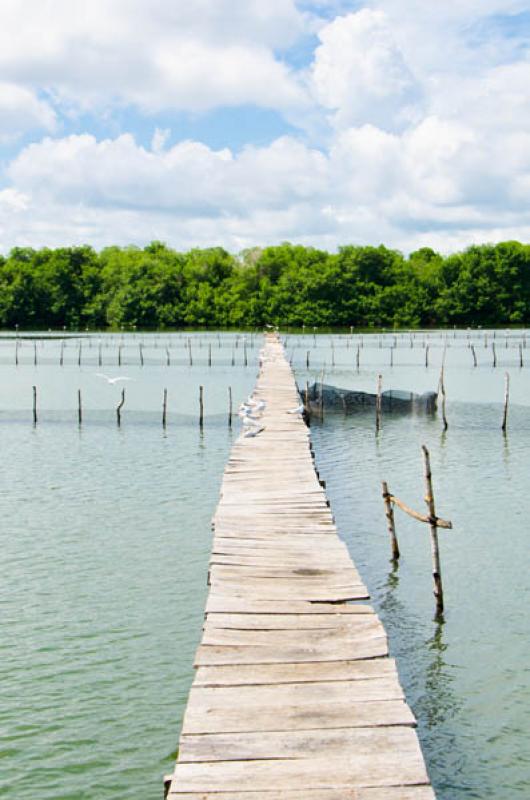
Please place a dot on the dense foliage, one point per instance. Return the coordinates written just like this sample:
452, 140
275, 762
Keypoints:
157, 287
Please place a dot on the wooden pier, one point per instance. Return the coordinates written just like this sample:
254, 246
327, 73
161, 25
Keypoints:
294, 697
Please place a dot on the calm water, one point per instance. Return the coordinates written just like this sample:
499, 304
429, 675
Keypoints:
105, 540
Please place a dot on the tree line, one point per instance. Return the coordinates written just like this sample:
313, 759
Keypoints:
286, 285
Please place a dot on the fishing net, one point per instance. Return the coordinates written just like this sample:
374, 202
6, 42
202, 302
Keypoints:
332, 398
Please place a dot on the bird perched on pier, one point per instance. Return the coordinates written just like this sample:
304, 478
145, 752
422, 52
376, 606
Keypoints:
252, 432
112, 381
298, 410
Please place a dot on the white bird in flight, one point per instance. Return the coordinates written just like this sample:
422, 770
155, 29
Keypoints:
113, 380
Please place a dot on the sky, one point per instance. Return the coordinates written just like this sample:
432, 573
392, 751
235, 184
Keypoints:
244, 123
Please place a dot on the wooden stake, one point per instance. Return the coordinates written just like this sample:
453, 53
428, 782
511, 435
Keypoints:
35, 353
429, 500
99, 354
141, 351
209, 355
307, 360
245, 361
474, 356
164, 409
389, 511
233, 357
61, 357
34, 405
427, 356
521, 355
391, 356
79, 354
506, 400
119, 407
358, 357
201, 406
189, 353
79, 407
494, 354
16, 353
321, 398
441, 390
119, 354
306, 399
378, 403
229, 406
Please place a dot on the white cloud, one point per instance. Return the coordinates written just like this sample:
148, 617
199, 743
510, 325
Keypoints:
157, 55
360, 73
21, 111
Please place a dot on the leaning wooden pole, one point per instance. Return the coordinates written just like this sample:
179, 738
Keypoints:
164, 409
79, 407
506, 401
389, 511
429, 500
229, 406
201, 406
119, 407
34, 405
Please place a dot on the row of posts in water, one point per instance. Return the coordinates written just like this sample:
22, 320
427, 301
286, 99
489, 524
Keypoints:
141, 360
473, 352
120, 405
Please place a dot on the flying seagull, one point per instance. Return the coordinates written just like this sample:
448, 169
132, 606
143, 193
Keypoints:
113, 380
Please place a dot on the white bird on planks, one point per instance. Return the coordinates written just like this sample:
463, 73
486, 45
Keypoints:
298, 410
112, 381
252, 432
250, 422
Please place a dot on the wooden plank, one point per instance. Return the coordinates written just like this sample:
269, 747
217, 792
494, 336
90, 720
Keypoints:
284, 672
210, 655
298, 744
335, 637
286, 622
362, 793
232, 604
353, 770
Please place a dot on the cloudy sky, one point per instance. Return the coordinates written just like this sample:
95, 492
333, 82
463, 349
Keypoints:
245, 122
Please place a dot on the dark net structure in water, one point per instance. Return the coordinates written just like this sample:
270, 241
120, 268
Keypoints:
332, 398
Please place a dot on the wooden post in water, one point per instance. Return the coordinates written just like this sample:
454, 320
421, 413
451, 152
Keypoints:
229, 406
189, 353
119, 407
307, 359
321, 397
201, 407
389, 511
391, 356
79, 407
168, 357
521, 355
119, 354
474, 356
306, 400
16, 353
99, 355
79, 354
441, 390
429, 500
209, 355
141, 352
233, 357
35, 353
245, 360
358, 357
378, 403
164, 409
494, 354
506, 400
427, 356
34, 405
61, 357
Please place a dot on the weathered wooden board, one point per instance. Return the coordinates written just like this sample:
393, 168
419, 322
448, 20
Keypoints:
298, 744
294, 696
269, 674
366, 793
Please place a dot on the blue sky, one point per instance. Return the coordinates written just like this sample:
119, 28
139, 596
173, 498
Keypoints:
244, 122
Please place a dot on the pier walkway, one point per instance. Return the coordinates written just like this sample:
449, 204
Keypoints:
294, 697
